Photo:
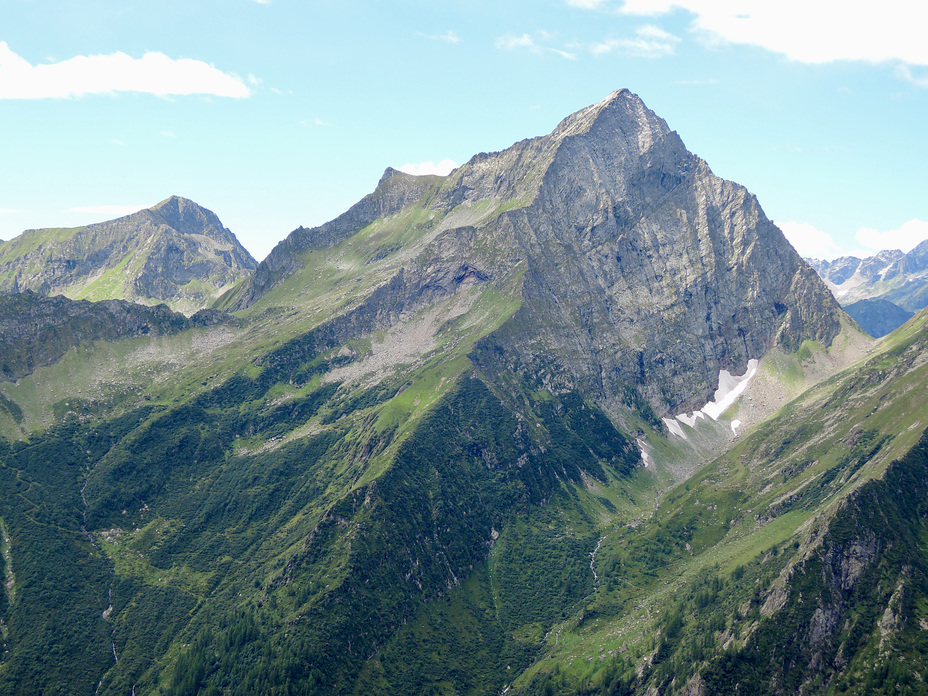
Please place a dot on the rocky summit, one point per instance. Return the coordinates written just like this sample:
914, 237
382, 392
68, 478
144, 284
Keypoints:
176, 253
573, 419
636, 265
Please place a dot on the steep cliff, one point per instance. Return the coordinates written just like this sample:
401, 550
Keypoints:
429, 458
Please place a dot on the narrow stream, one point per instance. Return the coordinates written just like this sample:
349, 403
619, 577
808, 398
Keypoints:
109, 591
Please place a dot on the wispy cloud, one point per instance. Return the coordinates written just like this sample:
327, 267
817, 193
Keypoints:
118, 210
650, 41
315, 122
810, 32
448, 37
168, 134
809, 241
443, 168
534, 43
906, 237
153, 73
904, 72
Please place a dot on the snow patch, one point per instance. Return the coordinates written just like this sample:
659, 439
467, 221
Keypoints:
690, 420
674, 427
730, 388
643, 449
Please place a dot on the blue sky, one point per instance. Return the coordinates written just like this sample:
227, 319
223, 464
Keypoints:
282, 113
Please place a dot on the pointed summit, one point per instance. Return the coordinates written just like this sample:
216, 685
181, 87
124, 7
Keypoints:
622, 115
635, 264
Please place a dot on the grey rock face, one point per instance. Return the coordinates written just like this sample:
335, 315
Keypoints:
175, 252
647, 269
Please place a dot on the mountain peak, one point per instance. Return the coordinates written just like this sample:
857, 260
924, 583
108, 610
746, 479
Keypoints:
173, 199
627, 242
151, 256
620, 116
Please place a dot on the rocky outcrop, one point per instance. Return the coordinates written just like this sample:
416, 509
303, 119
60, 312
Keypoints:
36, 330
849, 602
176, 252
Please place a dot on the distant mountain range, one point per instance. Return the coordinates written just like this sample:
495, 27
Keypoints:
573, 419
176, 253
890, 277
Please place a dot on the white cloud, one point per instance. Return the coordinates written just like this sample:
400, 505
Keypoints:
810, 32
528, 42
117, 210
168, 134
587, 4
153, 73
650, 42
809, 241
9, 210
905, 238
443, 168
511, 43
116, 141
315, 122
